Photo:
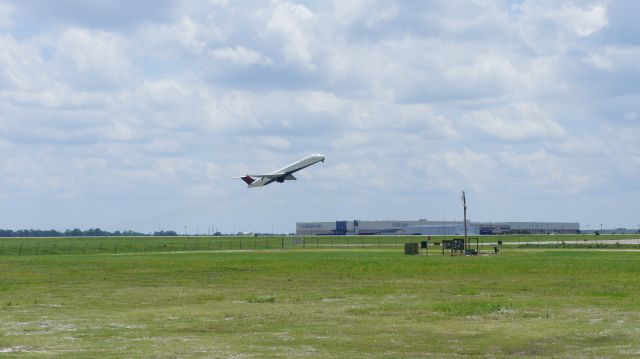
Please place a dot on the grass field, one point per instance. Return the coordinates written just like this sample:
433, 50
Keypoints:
118, 245
356, 303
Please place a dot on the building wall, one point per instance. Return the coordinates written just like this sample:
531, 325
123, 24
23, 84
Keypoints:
432, 227
315, 228
529, 227
445, 230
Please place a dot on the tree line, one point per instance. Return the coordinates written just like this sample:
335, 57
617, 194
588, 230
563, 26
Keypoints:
93, 232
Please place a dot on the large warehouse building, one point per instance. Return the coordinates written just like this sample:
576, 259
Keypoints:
426, 227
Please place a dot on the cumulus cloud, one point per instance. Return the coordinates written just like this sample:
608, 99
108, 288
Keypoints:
6, 16
476, 169
166, 101
552, 26
240, 56
90, 60
291, 24
515, 123
545, 170
112, 14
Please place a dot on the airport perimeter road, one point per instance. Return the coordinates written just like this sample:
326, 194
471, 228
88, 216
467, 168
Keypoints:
605, 241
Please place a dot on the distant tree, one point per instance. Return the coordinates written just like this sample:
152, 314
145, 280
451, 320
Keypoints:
165, 233
68, 233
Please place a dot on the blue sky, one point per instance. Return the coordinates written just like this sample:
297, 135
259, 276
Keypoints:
135, 115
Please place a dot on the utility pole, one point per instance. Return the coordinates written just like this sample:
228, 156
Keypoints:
464, 204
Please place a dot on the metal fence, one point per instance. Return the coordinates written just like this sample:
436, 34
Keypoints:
125, 245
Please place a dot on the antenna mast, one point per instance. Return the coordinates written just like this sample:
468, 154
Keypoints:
464, 204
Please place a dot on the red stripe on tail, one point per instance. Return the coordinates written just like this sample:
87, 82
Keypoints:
248, 179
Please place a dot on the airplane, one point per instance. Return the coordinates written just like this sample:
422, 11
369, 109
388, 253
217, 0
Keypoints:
283, 174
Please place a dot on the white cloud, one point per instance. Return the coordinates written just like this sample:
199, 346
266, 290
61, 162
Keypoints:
275, 142
555, 26
240, 55
515, 123
371, 13
545, 171
406, 99
90, 164
589, 20
321, 102
186, 32
6, 16
291, 23
180, 41
163, 146
90, 60
476, 170
614, 58
22, 65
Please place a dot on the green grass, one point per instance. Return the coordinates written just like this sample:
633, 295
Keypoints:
356, 303
119, 245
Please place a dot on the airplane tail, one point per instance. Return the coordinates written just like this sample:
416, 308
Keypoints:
248, 179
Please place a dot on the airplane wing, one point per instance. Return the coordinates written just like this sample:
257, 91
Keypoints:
271, 175
285, 176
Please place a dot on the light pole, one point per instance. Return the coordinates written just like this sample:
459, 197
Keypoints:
464, 204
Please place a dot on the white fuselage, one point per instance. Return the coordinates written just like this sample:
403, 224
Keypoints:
285, 173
